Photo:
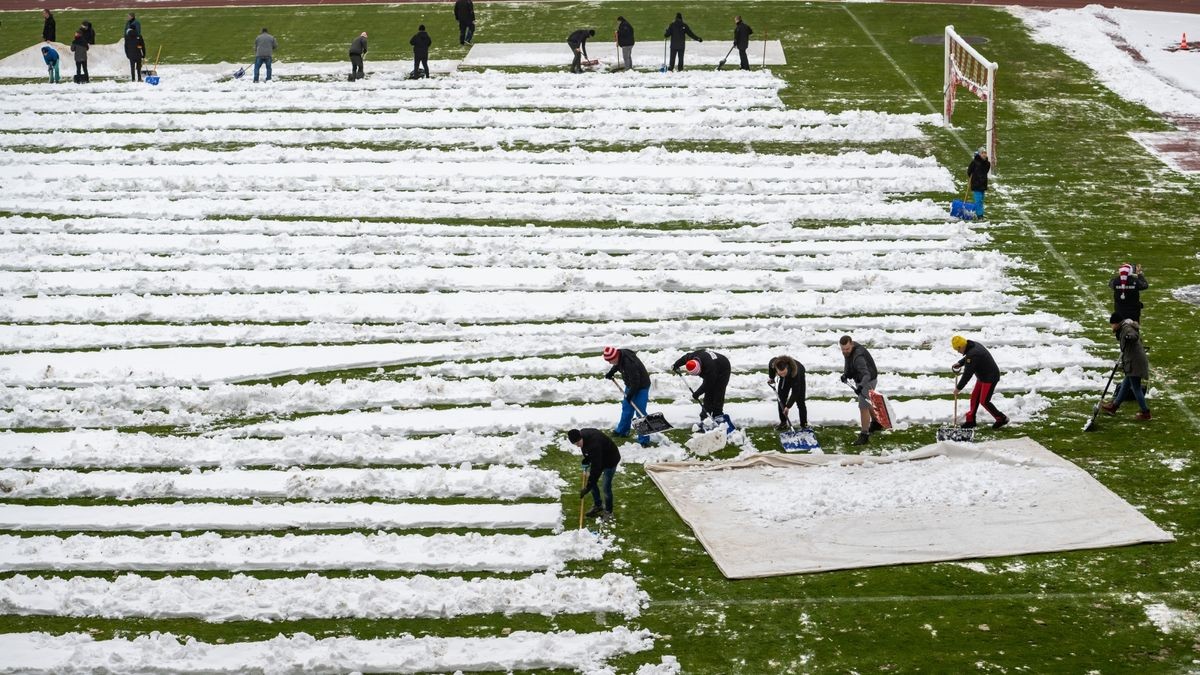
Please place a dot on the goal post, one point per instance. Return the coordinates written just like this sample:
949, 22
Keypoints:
966, 67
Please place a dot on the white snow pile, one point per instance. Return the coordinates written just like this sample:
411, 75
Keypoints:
704, 55
1102, 37
1170, 620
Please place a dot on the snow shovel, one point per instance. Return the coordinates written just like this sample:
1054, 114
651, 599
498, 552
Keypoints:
880, 408
1091, 423
793, 439
722, 63
582, 484
646, 424
153, 70
955, 433
663, 68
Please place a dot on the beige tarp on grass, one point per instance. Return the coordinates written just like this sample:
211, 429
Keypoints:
773, 514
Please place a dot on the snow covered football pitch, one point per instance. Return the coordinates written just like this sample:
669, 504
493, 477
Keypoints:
375, 316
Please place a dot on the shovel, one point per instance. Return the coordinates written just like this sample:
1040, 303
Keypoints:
1091, 423
722, 63
955, 433
663, 68
646, 424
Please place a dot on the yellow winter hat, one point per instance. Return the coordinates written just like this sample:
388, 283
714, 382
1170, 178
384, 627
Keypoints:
958, 342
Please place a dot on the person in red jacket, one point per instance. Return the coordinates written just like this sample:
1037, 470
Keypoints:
977, 361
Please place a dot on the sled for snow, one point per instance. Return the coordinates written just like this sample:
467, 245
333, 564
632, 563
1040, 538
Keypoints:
799, 440
646, 424
955, 433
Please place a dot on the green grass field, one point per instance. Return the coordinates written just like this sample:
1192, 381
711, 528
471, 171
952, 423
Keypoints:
1076, 196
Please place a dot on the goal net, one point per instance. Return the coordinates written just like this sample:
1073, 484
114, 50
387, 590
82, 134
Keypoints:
965, 67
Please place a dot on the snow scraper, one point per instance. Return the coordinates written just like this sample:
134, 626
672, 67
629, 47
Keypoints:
722, 63
955, 433
646, 424
1091, 423
796, 440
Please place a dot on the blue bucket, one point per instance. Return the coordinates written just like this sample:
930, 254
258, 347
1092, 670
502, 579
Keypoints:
152, 79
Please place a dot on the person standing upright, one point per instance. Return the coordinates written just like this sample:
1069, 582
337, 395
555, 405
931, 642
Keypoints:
79, 47
131, 21
133, 52
264, 52
625, 41
977, 362
464, 14
741, 40
860, 369
1127, 289
637, 387
358, 49
420, 44
677, 31
89, 33
977, 174
577, 41
49, 33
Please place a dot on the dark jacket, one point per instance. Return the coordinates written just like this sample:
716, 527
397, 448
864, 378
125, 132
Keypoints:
624, 34
714, 369
135, 25
860, 367
977, 361
464, 11
132, 51
359, 46
1133, 354
1127, 295
676, 31
48, 32
741, 35
420, 43
977, 172
141, 45
89, 33
633, 371
79, 47
578, 40
792, 384
599, 453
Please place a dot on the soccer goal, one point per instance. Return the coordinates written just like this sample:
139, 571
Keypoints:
966, 67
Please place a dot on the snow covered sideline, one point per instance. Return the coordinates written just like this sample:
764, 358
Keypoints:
246, 598
167, 654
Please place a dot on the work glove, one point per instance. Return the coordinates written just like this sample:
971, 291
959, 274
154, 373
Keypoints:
675, 369
771, 382
956, 367
610, 377
845, 378
699, 39
858, 390
584, 465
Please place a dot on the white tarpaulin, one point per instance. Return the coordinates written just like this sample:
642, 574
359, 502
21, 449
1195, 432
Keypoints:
646, 55
773, 514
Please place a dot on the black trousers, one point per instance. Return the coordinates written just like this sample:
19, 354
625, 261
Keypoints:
713, 401
356, 67
674, 53
419, 61
785, 392
576, 65
135, 70
81, 68
466, 31
744, 58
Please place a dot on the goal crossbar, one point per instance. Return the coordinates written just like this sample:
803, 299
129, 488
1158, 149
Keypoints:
966, 67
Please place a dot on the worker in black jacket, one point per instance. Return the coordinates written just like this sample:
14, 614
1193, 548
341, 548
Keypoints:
741, 40
49, 34
791, 391
600, 460
637, 387
677, 31
625, 41
358, 49
420, 44
977, 361
714, 370
860, 369
464, 14
577, 41
1127, 289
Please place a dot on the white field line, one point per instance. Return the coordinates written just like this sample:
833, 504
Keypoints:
120, 412
167, 654
246, 598
420, 279
116, 450
494, 482
1019, 408
485, 307
547, 339
302, 516
16, 245
450, 119
210, 551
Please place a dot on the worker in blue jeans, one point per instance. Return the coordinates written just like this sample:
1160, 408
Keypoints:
637, 387
600, 460
977, 174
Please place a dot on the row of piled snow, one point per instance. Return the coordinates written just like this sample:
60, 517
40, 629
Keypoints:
246, 598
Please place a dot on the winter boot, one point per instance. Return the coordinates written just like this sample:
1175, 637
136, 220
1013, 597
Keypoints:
1142, 416
594, 512
782, 426
1109, 408
606, 515
863, 438
1000, 422
969, 424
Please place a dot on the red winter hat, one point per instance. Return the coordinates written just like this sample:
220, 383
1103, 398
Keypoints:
611, 354
692, 366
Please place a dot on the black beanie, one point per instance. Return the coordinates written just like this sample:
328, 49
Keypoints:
574, 436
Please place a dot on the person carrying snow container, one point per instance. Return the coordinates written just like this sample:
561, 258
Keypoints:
49, 34
464, 14
600, 460
577, 41
420, 43
358, 49
625, 41
134, 53
977, 361
1127, 289
860, 369
264, 52
1134, 364
714, 370
791, 389
977, 175
79, 47
741, 40
677, 30
637, 387
50, 56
